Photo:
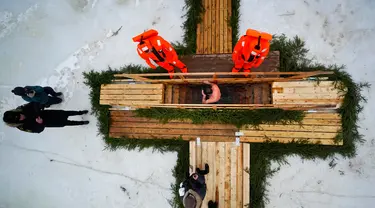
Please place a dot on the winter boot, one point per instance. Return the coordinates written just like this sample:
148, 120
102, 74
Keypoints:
83, 112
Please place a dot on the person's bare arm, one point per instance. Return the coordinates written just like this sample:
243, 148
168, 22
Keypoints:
203, 98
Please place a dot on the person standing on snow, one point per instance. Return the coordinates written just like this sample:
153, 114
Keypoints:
39, 94
27, 119
193, 190
251, 50
153, 47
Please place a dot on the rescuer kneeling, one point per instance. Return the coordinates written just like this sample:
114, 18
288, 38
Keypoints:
153, 47
251, 50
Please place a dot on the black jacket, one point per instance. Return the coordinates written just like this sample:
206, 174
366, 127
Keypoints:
31, 112
199, 186
51, 118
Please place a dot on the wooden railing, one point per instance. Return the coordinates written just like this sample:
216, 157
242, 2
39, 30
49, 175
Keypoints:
221, 77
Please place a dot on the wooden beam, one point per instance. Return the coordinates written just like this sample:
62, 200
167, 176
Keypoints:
141, 97
293, 134
205, 23
131, 92
229, 28
242, 106
309, 74
239, 176
221, 173
233, 176
115, 133
300, 128
288, 140
246, 176
229, 73
138, 77
303, 84
222, 26
192, 155
132, 86
179, 125
227, 182
219, 80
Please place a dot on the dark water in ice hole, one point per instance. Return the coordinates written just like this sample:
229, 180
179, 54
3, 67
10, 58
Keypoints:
230, 93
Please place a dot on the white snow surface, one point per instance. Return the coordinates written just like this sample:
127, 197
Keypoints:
336, 32
46, 42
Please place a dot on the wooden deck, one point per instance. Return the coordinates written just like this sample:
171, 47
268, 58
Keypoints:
306, 92
125, 124
214, 34
317, 128
131, 94
227, 182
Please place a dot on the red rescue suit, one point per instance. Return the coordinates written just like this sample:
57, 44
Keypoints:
153, 47
251, 50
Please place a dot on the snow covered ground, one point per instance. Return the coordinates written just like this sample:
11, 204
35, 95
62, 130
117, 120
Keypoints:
336, 31
51, 43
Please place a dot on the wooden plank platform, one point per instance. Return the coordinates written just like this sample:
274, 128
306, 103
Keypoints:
125, 124
306, 92
317, 128
131, 94
224, 63
214, 34
227, 182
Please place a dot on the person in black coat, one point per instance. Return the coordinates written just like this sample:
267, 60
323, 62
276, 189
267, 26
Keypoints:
193, 190
30, 118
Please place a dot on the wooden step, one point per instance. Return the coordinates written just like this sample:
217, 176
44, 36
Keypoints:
182, 95
168, 96
176, 94
257, 93
266, 93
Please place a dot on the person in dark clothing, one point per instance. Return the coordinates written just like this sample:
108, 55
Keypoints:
193, 189
46, 96
212, 204
26, 118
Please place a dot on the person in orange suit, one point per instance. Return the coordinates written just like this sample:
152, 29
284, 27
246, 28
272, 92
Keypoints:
251, 50
153, 47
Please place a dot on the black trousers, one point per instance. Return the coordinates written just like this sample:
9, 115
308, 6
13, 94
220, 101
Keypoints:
50, 91
53, 99
73, 113
60, 118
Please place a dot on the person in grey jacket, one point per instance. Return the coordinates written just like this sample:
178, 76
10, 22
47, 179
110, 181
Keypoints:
193, 190
45, 96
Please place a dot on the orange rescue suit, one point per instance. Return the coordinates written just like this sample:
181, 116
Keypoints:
251, 50
153, 47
